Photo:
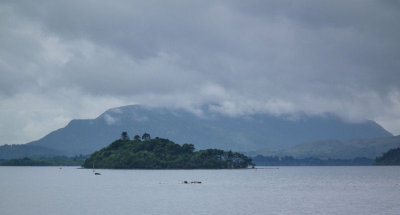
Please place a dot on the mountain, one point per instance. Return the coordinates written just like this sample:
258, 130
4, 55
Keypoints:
211, 130
335, 149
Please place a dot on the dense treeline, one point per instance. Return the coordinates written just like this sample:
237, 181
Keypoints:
391, 157
45, 161
25, 162
161, 153
310, 161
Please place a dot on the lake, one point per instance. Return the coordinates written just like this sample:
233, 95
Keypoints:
281, 190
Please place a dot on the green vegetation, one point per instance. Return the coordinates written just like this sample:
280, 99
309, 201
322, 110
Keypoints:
392, 157
161, 153
25, 162
45, 161
335, 149
309, 161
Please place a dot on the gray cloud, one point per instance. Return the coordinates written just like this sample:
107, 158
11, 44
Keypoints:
67, 59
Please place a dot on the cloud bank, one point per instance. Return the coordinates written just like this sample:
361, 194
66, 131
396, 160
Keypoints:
74, 59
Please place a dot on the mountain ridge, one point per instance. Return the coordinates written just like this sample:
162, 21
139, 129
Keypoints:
246, 133
236, 133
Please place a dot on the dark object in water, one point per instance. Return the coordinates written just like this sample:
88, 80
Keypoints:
192, 182
97, 173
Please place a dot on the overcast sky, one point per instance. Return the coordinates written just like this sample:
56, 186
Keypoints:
61, 60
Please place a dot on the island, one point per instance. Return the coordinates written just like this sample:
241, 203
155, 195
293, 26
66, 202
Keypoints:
160, 153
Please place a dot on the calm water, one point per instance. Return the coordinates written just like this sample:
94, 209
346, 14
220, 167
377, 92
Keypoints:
287, 190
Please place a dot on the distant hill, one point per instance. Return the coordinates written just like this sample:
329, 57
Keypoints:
391, 157
335, 149
211, 130
25, 150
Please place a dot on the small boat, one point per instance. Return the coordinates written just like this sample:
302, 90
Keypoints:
95, 173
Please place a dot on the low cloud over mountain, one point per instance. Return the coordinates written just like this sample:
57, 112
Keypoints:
74, 59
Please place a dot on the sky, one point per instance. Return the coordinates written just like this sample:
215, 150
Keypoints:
62, 60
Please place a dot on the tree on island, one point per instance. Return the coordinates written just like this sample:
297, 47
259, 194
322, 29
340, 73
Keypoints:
188, 148
124, 135
136, 137
146, 136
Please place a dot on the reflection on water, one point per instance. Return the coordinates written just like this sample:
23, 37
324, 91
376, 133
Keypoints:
286, 190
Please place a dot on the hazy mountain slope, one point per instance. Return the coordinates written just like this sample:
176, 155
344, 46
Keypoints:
369, 148
248, 133
391, 157
25, 150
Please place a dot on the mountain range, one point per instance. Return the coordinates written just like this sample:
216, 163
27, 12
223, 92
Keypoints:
250, 133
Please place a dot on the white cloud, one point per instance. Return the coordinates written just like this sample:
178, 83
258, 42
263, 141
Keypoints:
109, 119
